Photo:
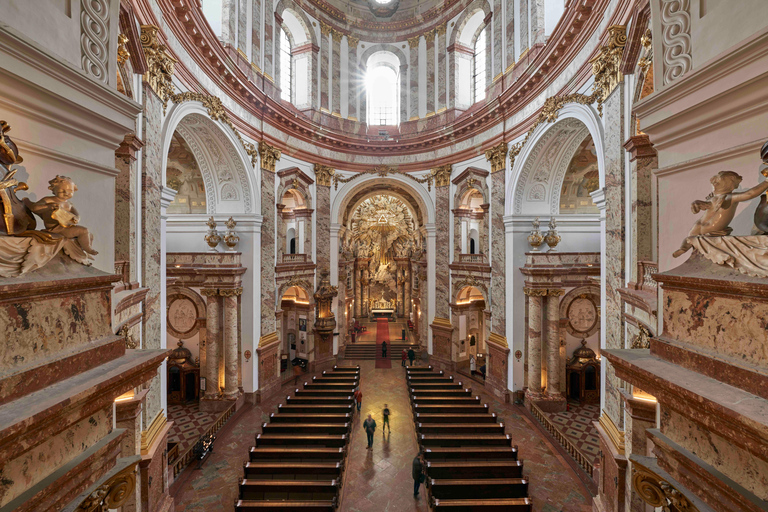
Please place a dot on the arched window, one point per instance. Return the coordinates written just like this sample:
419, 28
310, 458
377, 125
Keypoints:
286, 66
478, 67
471, 246
381, 87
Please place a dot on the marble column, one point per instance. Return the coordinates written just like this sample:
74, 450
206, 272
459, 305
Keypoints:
325, 33
276, 44
553, 343
231, 389
336, 74
497, 38
242, 27
126, 189
442, 251
268, 325
413, 71
256, 33
523, 26
442, 76
404, 89
534, 340
498, 252
358, 292
615, 195
429, 37
643, 161
323, 223
229, 22
450, 76
269, 52
509, 34
537, 22
314, 98
407, 294
151, 225
355, 78
366, 290
640, 416
128, 417
400, 296
213, 343
490, 63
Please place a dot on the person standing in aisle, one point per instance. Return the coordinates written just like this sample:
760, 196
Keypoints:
405, 356
358, 395
417, 473
411, 355
369, 426
385, 414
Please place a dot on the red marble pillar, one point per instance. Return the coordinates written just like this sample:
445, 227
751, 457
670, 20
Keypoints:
534, 341
231, 390
553, 343
213, 324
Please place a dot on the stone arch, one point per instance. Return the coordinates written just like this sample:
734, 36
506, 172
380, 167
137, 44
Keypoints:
575, 121
304, 284
391, 184
466, 14
220, 155
300, 15
461, 286
384, 47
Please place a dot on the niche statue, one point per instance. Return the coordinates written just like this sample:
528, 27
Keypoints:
719, 207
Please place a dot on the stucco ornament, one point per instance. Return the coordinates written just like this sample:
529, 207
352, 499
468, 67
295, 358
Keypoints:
160, 64
710, 234
535, 238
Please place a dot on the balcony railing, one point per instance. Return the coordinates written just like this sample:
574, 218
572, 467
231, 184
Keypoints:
644, 271
181, 462
584, 461
294, 258
123, 269
471, 258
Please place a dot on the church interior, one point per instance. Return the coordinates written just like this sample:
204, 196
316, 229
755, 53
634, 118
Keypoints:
272, 255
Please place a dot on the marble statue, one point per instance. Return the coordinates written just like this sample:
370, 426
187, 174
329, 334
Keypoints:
761, 213
719, 207
60, 216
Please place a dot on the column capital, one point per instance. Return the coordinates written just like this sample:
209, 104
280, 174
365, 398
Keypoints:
160, 64
352, 41
440, 29
413, 42
429, 37
497, 155
323, 173
209, 292
231, 292
442, 175
555, 292
269, 156
535, 292
606, 65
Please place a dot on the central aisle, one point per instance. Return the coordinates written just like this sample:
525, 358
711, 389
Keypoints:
380, 479
382, 334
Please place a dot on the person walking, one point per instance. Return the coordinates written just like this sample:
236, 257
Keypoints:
369, 426
383, 349
385, 414
411, 355
417, 473
358, 396
405, 356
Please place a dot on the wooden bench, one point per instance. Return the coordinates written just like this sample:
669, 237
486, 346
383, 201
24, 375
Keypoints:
450, 409
348, 381
327, 385
469, 488
475, 469
441, 453
455, 418
441, 392
430, 386
483, 505
292, 470
421, 369
445, 400
344, 392
460, 428
288, 489
310, 418
325, 440
318, 400
283, 505
260, 453
430, 380
305, 428
341, 369
464, 440
315, 408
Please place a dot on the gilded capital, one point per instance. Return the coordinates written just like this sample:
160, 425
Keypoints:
231, 292
160, 64
323, 174
209, 292
413, 42
430, 36
535, 292
269, 156
497, 155
441, 29
555, 292
606, 64
325, 29
353, 41
442, 175
336, 35
122, 49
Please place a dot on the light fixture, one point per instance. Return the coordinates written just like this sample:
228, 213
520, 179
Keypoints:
383, 8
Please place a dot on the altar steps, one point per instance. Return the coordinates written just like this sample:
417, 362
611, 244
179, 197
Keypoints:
369, 350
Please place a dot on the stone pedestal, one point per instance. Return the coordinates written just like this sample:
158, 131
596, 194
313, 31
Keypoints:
128, 417
497, 370
153, 468
442, 346
612, 480
269, 367
324, 357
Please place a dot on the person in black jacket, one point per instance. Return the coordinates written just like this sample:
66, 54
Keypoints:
418, 475
411, 355
383, 349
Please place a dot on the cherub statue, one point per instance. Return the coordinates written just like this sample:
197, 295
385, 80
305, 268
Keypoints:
720, 207
59, 215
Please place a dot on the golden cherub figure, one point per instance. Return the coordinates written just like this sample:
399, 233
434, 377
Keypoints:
720, 207
59, 215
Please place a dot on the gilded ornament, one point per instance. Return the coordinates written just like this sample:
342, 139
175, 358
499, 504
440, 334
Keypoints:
352, 41
113, 493
606, 64
442, 175
160, 64
535, 238
657, 492
122, 49
642, 339
269, 156
231, 238
497, 155
212, 238
552, 238
535, 292
130, 342
413, 42
429, 37
324, 174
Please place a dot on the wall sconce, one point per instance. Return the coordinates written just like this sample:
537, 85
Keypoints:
247, 354
518, 355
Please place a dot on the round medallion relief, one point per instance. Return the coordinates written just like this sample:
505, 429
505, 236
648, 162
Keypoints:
582, 315
182, 315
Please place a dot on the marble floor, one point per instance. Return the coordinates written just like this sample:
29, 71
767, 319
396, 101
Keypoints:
578, 424
189, 424
379, 479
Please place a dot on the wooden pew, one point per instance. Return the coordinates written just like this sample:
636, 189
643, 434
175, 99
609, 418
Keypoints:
315, 408
439, 453
324, 392
455, 418
475, 469
430, 386
464, 440
318, 400
420, 369
483, 505
349, 381
341, 369
460, 428
446, 400
305, 428
321, 440
487, 488
283, 505
310, 418
441, 392
327, 385
288, 489
436, 379
266, 470
284, 453
450, 409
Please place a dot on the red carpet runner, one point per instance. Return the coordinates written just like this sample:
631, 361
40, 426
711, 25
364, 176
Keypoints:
382, 334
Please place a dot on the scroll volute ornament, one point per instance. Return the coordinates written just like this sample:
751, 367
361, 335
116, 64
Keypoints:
269, 156
113, 493
607, 63
658, 493
160, 64
497, 155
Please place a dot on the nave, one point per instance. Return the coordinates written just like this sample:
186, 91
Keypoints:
378, 479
